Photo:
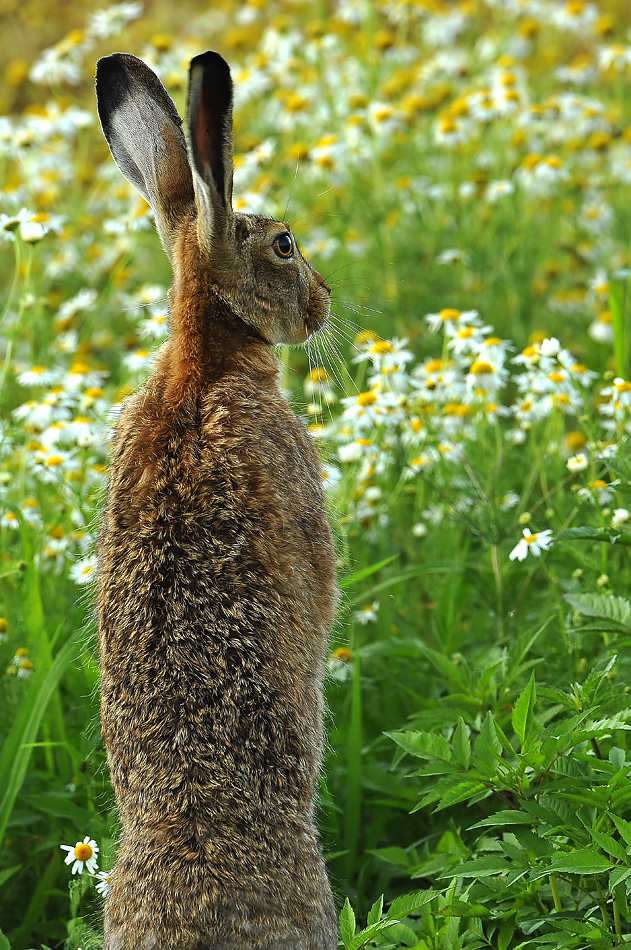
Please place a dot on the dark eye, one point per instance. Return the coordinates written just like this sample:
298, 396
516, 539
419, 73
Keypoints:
284, 246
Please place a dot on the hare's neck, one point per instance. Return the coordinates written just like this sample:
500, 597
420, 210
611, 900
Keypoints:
208, 341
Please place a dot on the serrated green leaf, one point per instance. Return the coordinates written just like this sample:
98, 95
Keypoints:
347, 923
462, 744
461, 908
460, 793
375, 912
481, 867
488, 748
393, 855
505, 817
617, 610
423, 745
364, 936
409, 903
582, 861
617, 876
506, 933
617, 758
609, 845
624, 828
522, 717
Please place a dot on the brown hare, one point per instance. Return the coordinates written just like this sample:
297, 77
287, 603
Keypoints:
216, 578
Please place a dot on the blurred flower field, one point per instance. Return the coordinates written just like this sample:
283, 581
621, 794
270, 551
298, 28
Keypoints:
460, 173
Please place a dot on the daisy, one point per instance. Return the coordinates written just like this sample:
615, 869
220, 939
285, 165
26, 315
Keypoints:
83, 854
104, 882
531, 544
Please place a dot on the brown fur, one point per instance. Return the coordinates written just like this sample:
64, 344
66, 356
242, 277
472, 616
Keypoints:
216, 581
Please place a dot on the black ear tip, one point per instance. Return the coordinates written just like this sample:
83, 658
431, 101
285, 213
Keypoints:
107, 65
213, 65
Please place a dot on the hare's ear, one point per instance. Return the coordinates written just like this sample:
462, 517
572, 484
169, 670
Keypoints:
144, 132
210, 140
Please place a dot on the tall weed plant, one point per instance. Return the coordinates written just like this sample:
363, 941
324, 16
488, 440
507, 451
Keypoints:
461, 174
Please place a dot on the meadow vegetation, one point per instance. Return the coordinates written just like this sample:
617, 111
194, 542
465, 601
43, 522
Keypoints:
460, 173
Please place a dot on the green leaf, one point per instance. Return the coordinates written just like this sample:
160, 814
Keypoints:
375, 912
522, 717
582, 861
609, 845
616, 610
18, 745
624, 828
51, 803
460, 793
505, 817
409, 903
462, 744
423, 745
5, 876
347, 923
482, 867
4, 943
488, 748
363, 572
506, 934
364, 936
617, 876
609, 535
393, 855
460, 908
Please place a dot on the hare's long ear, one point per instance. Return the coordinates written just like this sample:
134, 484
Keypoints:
210, 140
144, 132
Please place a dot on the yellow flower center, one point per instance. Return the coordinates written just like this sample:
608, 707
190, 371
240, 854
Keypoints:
623, 387
366, 399
531, 538
318, 375
381, 346
83, 852
449, 314
433, 366
576, 440
481, 368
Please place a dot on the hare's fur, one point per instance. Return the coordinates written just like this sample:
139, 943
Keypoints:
216, 581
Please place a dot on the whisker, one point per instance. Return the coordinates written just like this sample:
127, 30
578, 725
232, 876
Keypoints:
329, 343
291, 190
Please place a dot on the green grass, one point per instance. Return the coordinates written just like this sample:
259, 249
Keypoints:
475, 784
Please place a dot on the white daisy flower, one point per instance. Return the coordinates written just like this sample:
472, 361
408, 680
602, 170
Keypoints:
83, 854
531, 544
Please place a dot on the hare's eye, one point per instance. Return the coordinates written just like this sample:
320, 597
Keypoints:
284, 246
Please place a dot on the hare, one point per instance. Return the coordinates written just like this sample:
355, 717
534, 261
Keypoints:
216, 578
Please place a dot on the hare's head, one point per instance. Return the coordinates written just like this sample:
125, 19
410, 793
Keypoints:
252, 261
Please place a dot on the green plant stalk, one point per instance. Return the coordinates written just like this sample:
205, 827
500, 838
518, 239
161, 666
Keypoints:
602, 904
619, 307
353, 803
556, 897
499, 592
616, 916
